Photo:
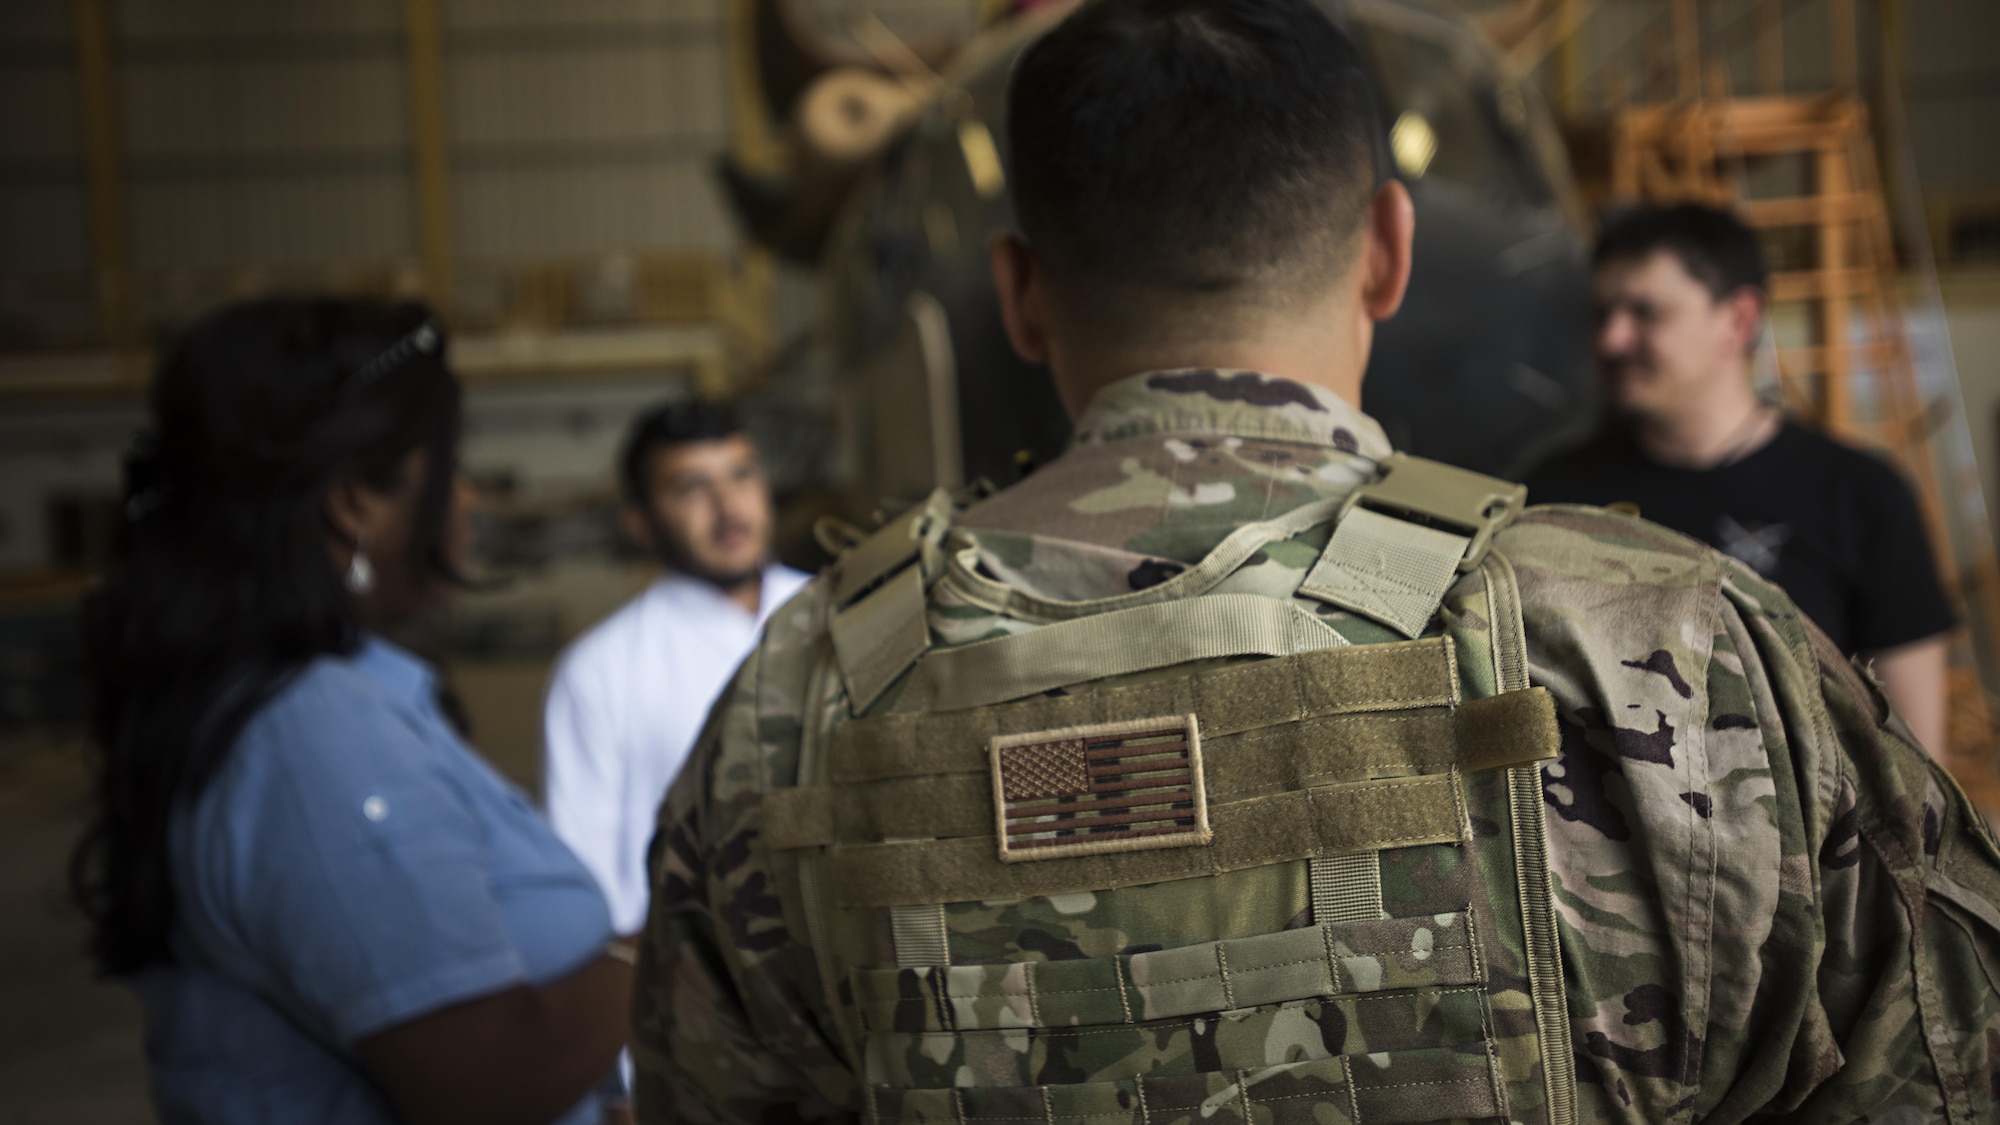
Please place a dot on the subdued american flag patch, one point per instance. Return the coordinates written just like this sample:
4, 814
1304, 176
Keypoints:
1111, 787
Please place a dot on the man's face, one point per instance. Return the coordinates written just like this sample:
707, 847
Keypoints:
1663, 341
709, 510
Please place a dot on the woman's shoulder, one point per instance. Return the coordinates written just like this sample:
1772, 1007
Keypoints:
328, 694
308, 776
327, 726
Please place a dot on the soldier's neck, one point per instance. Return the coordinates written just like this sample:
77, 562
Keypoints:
1318, 355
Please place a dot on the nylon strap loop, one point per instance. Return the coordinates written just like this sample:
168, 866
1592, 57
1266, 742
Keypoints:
1346, 888
921, 934
1516, 728
1111, 644
1434, 494
890, 548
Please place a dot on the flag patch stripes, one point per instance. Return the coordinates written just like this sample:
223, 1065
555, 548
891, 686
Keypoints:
1109, 787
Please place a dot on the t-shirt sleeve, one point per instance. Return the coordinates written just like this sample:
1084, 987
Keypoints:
1898, 597
354, 871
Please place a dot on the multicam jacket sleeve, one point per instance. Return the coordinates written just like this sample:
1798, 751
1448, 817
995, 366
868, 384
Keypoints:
728, 1023
1771, 902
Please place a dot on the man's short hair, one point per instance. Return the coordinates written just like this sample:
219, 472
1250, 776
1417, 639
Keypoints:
1192, 146
1713, 245
665, 426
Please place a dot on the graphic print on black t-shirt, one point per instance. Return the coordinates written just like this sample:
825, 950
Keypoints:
1755, 546
1837, 528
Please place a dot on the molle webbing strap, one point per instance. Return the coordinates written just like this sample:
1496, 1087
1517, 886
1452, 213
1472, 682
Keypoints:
1480, 735
1362, 816
1228, 700
800, 817
1356, 957
1380, 1088
1111, 644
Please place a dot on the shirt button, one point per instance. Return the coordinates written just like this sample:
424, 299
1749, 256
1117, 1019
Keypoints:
375, 809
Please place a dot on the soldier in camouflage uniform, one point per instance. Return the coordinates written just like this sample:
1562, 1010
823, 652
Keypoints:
1234, 768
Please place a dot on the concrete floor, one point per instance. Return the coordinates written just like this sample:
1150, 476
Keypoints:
70, 1046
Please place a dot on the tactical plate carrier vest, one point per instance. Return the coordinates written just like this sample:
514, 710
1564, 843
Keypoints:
1236, 869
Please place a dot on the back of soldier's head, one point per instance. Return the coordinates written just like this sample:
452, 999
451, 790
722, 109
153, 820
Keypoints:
1167, 151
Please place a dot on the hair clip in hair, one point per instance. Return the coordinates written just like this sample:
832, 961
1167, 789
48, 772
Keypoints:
424, 339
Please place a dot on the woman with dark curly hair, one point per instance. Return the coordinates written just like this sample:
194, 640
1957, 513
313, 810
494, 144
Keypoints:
331, 910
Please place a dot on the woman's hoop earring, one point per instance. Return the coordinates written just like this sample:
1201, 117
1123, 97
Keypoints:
360, 572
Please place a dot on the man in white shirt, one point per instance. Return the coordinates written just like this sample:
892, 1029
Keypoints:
628, 697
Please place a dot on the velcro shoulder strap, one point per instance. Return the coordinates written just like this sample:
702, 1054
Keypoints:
1403, 539
877, 624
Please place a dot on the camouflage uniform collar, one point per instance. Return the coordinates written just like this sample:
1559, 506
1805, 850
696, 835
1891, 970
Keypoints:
1243, 404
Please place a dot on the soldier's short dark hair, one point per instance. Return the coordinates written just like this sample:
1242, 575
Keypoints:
1713, 245
665, 426
1196, 146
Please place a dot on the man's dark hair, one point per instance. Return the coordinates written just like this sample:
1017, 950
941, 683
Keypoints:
1713, 245
665, 426
1192, 146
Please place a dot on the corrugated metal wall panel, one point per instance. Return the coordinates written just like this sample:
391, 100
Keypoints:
1939, 128
532, 214
462, 14
206, 222
1953, 89
586, 129
44, 235
194, 111
1951, 37
264, 133
639, 91
36, 22
39, 131
42, 230
276, 131
202, 19
904, 17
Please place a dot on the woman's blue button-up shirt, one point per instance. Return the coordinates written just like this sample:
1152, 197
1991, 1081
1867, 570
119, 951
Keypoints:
352, 865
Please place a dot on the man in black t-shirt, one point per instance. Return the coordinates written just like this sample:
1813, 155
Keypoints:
1680, 301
